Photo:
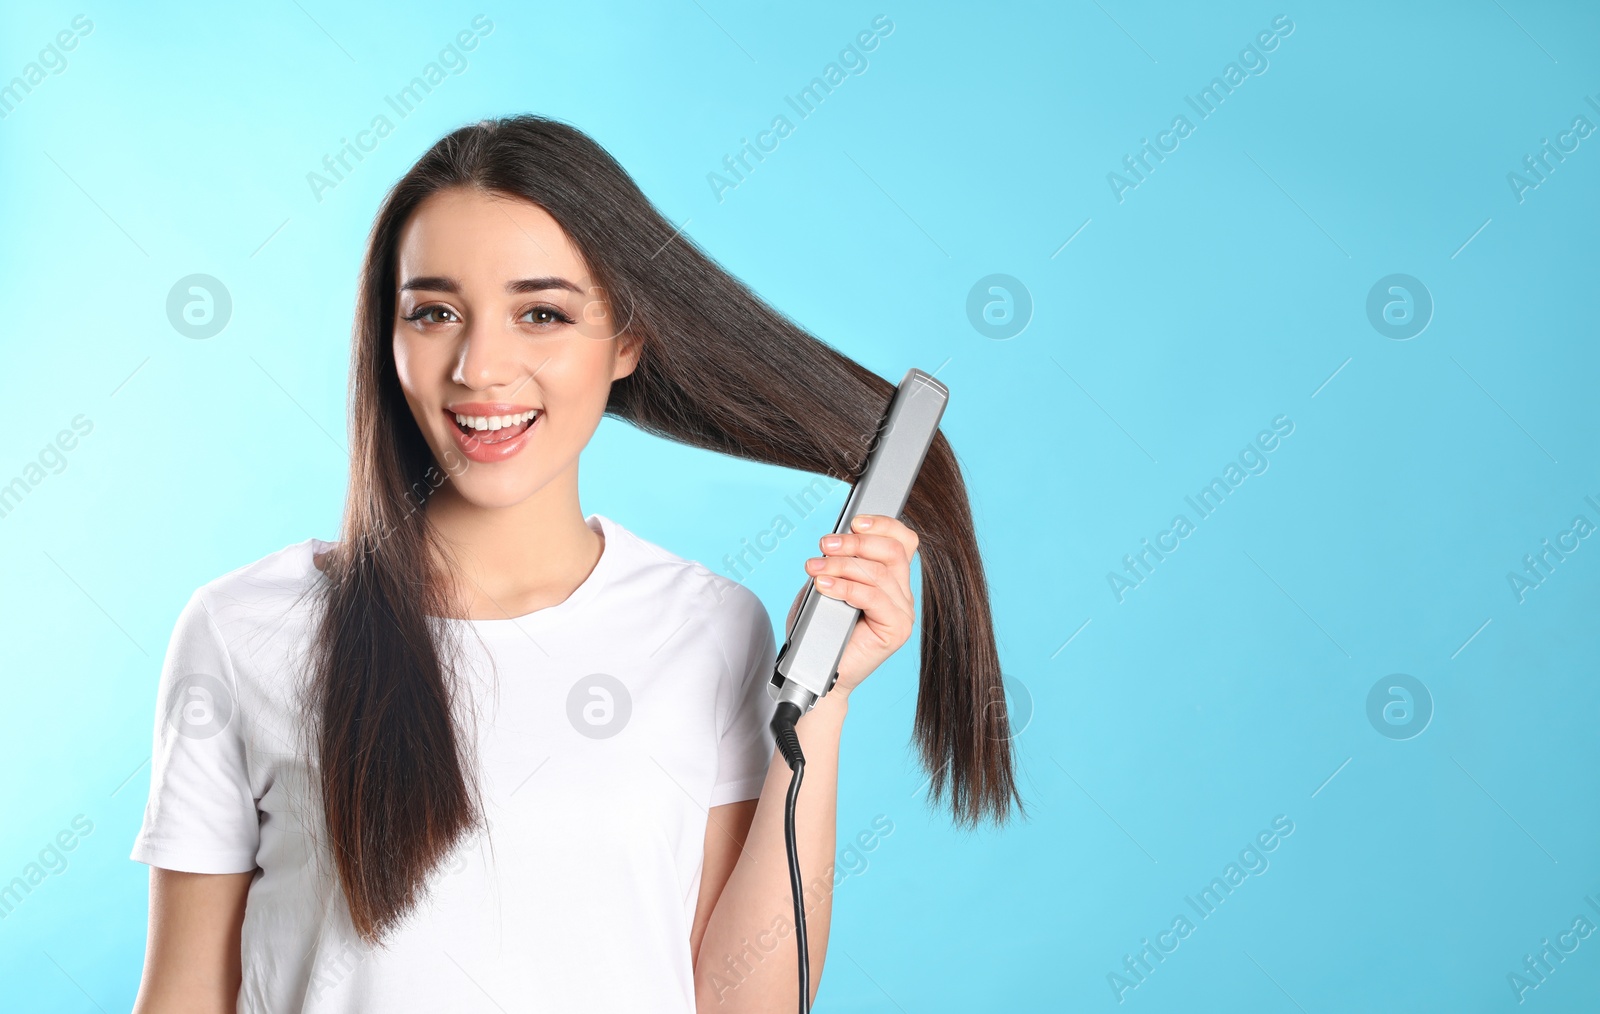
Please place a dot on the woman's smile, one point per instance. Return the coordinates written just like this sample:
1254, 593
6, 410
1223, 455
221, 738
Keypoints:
490, 431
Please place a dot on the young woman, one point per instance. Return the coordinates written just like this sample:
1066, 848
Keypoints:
488, 752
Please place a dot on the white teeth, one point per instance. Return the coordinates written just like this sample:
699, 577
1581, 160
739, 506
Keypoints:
493, 422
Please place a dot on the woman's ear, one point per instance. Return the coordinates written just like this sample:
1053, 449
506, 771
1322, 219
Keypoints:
627, 355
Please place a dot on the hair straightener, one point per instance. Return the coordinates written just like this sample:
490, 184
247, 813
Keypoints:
807, 665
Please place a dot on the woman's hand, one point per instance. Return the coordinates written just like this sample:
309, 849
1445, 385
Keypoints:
869, 568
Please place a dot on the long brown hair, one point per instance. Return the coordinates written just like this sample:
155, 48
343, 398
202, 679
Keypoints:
718, 369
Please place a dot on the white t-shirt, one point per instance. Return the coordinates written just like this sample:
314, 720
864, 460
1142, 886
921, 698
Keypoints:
620, 717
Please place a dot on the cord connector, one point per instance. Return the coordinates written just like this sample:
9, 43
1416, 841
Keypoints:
784, 717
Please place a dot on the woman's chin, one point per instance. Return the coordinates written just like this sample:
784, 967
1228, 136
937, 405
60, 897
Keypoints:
490, 492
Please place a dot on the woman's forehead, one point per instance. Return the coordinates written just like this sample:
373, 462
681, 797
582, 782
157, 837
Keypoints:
488, 236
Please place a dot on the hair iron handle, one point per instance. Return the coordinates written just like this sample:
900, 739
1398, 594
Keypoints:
807, 665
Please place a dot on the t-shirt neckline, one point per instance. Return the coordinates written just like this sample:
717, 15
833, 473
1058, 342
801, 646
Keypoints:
598, 577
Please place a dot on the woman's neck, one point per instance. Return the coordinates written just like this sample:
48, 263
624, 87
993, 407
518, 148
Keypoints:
514, 560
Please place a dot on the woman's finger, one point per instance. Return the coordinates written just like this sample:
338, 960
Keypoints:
893, 547
881, 613
882, 524
855, 568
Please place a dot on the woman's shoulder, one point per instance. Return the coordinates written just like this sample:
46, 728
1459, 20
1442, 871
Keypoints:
643, 555
265, 588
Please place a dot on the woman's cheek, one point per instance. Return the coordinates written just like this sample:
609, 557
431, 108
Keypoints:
578, 374
413, 366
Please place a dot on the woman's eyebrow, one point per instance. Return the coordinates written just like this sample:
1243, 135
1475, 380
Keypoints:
440, 283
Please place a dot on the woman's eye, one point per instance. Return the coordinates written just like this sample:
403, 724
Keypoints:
425, 313
547, 315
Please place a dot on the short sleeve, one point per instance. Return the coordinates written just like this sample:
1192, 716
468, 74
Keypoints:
201, 814
746, 746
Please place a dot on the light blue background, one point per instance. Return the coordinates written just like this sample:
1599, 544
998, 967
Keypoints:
1224, 291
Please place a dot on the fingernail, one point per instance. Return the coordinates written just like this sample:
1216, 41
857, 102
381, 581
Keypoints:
862, 521
826, 582
813, 564
832, 542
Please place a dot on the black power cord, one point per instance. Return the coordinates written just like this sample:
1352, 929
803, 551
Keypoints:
784, 717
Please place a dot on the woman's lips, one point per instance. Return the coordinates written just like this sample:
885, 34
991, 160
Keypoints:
491, 445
